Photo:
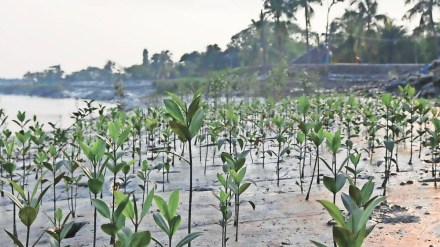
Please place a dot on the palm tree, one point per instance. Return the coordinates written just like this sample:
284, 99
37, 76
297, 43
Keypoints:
367, 12
425, 9
392, 36
278, 9
308, 13
328, 16
364, 15
260, 26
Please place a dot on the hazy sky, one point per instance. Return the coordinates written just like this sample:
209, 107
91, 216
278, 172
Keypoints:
36, 34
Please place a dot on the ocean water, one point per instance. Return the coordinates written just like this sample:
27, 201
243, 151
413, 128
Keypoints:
58, 111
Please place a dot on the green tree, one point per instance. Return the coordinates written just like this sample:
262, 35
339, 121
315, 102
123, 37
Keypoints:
308, 13
260, 26
279, 9
424, 9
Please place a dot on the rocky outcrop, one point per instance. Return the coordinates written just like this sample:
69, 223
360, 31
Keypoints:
426, 81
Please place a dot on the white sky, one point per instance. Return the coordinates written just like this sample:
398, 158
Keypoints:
36, 34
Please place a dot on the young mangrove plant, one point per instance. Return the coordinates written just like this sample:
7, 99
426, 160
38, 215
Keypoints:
29, 205
186, 123
118, 135
95, 154
169, 221
225, 200
352, 232
316, 137
434, 141
131, 211
237, 184
334, 184
60, 228
281, 128
409, 105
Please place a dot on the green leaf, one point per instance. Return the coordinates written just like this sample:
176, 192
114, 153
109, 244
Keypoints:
176, 99
188, 238
180, 130
318, 244
162, 206
196, 123
140, 239
109, 229
66, 230
334, 212
193, 108
340, 181
389, 145
161, 222
95, 185
27, 215
147, 203
369, 209
101, 207
15, 239
343, 237
173, 203
174, 110
18, 188
129, 208
330, 184
243, 188
348, 202
175, 224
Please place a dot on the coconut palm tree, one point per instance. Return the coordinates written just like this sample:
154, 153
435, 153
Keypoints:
424, 9
260, 26
279, 9
391, 37
366, 10
308, 13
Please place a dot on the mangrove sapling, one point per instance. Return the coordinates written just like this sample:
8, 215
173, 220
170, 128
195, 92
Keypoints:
3, 119
54, 167
116, 218
224, 197
144, 175
126, 179
95, 154
389, 146
118, 135
372, 127
60, 228
423, 108
131, 209
300, 139
355, 170
28, 208
261, 137
23, 138
316, 137
409, 95
434, 141
72, 182
186, 123
352, 232
169, 221
238, 184
334, 184
281, 128
303, 110
10, 166
137, 121
151, 125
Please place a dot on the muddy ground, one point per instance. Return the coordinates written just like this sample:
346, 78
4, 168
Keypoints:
282, 216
